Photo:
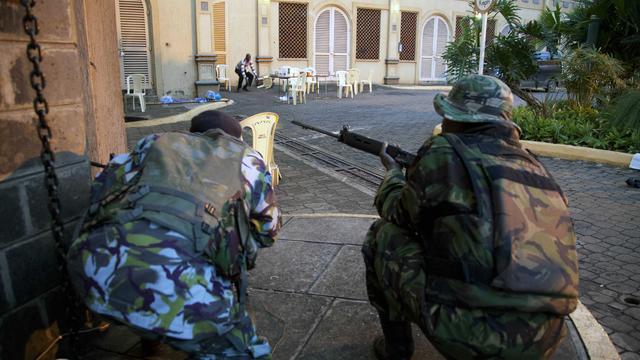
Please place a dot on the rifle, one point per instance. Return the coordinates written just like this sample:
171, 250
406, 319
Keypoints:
361, 142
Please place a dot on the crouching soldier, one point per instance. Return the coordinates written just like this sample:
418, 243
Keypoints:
172, 229
475, 244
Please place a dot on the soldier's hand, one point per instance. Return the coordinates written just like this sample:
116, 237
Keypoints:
387, 161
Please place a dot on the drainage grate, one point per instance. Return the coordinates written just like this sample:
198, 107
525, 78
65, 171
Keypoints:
367, 176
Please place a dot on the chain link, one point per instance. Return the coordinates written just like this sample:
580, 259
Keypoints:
47, 156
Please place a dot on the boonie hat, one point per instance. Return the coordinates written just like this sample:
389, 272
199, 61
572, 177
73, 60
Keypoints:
476, 99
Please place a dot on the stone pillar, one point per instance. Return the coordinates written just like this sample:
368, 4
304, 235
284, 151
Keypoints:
393, 38
80, 62
263, 57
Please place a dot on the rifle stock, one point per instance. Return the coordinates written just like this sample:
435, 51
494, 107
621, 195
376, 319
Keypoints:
366, 144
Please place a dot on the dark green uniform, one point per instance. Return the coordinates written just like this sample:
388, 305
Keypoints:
475, 244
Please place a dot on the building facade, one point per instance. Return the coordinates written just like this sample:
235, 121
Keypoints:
178, 42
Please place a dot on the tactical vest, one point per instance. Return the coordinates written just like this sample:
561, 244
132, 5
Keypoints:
191, 184
521, 220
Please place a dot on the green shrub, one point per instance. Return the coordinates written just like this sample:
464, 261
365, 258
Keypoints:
589, 75
573, 125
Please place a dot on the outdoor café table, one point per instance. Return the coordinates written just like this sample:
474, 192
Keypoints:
280, 78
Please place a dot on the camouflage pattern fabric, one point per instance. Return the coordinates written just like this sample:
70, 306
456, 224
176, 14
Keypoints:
437, 222
396, 282
179, 295
476, 99
154, 279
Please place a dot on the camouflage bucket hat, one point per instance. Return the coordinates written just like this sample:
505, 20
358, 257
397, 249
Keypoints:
476, 99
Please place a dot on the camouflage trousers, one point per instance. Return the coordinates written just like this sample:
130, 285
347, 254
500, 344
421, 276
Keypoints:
212, 348
396, 283
146, 277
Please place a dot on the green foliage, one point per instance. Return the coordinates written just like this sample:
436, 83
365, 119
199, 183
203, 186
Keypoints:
508, 9
590, 75
624, 111
572, 125
511, 57
619, 34
552, 29
461, 55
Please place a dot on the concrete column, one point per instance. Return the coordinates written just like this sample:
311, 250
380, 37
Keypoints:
393, 38
263, 57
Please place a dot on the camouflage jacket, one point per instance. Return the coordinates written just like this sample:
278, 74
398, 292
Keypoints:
149, 278
490, 243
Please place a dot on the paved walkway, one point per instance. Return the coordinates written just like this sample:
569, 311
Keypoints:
605, 210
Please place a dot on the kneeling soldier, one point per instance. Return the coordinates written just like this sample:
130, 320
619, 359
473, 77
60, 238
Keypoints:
475, 244
172, 229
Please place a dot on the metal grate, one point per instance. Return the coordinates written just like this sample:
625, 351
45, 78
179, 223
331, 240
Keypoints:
368, 34
292, 25
491, 31
408, 22
459, 23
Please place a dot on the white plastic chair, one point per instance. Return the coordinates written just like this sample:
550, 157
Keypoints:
354, 79
343, 83
267, 82
222, 73
135, 89
367, 81
298, 87
312, 83
263, 129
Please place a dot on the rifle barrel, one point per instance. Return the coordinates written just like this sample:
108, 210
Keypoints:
305, 126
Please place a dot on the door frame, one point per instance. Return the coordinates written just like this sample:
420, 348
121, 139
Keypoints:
433, 58
331, 37
149, 39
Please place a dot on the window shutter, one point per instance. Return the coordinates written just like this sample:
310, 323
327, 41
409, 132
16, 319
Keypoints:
408, 22
219, 32
340, 42
442, 38
322, 43
134, 42
292, 30
491, 31
368, 34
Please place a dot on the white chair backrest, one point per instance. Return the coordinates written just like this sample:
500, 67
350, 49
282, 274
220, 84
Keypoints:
302, 81
221, 71
354, 75
263, 129
136, 83
342, 77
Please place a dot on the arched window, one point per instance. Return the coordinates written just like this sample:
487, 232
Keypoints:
435, 36
332, 41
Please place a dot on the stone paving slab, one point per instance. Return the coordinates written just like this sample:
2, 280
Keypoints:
344, 277
348, 330
287, 320
333, 230
291, 265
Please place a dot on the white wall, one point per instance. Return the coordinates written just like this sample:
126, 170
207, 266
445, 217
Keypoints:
174, 46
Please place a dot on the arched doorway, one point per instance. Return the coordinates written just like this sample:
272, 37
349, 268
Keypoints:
435, 36
332, 41
133, 39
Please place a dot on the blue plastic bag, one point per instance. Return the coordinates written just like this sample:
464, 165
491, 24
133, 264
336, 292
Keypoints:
212, 95
167, 100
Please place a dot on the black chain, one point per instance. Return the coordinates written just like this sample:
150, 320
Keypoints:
47, 156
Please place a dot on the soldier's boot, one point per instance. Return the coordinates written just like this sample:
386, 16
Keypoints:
397, 341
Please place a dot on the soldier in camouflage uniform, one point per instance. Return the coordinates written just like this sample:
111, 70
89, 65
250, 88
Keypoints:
475, 244
172, 229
